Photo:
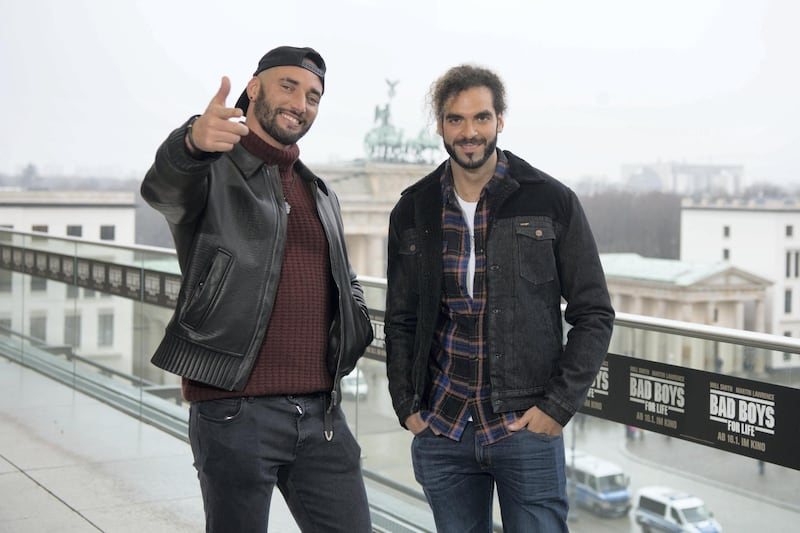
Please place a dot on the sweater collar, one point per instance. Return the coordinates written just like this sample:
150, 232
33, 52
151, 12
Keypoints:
268, 153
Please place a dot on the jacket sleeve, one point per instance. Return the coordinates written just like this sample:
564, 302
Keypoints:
358, 295
176, 184
588, 312
357, 333
400, 322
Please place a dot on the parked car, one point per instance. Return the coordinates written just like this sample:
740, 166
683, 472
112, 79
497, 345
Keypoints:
354, 385
598, 485
665, 509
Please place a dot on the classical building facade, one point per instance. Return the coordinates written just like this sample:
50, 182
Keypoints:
367, 192
715, 293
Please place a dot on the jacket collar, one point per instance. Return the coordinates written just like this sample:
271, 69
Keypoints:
249, 164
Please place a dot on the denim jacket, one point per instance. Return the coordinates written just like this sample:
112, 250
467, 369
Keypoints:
539, 249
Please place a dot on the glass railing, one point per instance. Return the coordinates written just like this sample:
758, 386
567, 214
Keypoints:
703, 410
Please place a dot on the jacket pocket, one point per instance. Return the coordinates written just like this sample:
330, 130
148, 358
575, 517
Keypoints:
535, 238
408, 242
207, 290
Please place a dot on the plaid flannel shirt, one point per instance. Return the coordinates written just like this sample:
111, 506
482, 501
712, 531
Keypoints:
459, 368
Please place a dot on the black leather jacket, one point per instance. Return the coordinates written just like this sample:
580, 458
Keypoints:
229, 226
539, 250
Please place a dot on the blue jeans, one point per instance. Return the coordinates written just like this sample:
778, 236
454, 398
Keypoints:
459, 479
244, 447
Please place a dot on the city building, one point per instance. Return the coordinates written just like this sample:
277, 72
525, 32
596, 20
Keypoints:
713, 293
684, 178
94, 325
759, 236
91, 215
367, 192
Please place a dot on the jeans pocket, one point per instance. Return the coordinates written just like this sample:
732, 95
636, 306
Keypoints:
427, 432
544, 437
219, 411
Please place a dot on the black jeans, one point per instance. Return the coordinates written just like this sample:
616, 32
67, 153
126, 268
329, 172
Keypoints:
243, 447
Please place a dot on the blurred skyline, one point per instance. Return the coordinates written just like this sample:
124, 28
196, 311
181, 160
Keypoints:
92, 87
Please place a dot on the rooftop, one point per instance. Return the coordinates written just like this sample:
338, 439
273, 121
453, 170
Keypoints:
671, 271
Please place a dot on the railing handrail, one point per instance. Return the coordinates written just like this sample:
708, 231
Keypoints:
94, 242
752, 339
68, 352
766, 341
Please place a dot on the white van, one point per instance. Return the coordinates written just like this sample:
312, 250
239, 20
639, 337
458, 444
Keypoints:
596, 484
664, 509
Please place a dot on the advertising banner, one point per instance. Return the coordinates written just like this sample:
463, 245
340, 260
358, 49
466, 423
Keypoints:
743, 416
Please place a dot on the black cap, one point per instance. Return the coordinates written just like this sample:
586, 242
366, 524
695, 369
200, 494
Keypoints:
287, 56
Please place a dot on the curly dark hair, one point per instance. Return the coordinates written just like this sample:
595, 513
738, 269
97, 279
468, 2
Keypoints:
461, 78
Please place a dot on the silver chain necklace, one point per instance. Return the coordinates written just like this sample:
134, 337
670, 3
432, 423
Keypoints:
286, 195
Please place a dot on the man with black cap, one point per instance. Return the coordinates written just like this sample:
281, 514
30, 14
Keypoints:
270, 315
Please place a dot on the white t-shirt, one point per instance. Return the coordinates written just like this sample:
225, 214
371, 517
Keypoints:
468, 211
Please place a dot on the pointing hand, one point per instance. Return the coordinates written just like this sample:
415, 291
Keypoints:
213, 131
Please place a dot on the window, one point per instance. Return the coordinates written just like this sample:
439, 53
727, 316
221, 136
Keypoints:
789, 231
37, 328
652, 505
5, 325
787, 356
107, 233
726, 254
788, 264
38, 284
72, 291
797, 264
787, 301
5, 280
726, 231
716, 315
105, 329
41, 228
75, 231
72, 330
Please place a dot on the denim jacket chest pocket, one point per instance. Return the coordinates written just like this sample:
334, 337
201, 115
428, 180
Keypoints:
535, 241
410, 257
408, 242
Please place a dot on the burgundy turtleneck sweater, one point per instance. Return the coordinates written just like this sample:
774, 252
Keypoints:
292, 359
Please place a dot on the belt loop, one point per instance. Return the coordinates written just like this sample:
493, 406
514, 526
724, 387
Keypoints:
327, 418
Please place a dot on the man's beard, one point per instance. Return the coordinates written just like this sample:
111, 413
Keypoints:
267, 117
471, 163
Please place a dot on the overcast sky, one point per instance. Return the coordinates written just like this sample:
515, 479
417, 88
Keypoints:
93, 86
